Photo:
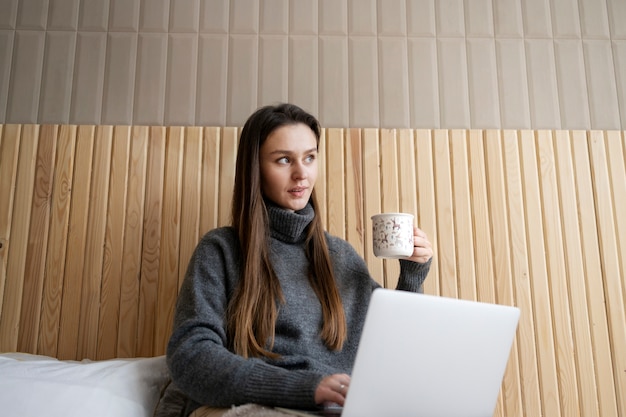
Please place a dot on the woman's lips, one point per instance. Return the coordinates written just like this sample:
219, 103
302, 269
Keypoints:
298, 191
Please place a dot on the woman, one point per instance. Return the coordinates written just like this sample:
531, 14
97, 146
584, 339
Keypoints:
272, 307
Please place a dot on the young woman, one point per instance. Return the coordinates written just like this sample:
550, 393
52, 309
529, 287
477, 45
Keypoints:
272, 307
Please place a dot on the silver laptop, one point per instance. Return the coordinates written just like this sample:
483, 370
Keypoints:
424, 355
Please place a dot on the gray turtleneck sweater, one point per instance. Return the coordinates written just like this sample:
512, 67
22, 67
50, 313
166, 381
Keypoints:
207, 372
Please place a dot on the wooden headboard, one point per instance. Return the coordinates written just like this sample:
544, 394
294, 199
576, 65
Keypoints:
97, 224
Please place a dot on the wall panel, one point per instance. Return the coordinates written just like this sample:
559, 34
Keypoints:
119, 79
57, 75
393, 48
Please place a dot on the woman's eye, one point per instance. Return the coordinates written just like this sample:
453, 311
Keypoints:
283, 160
310, 158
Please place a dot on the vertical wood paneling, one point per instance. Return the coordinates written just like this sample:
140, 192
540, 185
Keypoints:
228, 158
389, 193
407, 181
321, 184
372, 198
191, 206
94, 247
335, 201
76, 242
594, 276
169, 224
447, 257
462, 216
114, 239
133, 242
587, 388
98, 223
495, 176
427, 202
526, 336
160, 238
57, 242
613, 286
38, 238
538, 274
211, 151
559, 294
10, 147
355, 218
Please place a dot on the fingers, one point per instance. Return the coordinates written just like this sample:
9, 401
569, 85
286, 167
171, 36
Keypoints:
423, 250
333, 388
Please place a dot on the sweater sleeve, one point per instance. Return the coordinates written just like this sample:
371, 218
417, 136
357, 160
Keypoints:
413, 275
200, 363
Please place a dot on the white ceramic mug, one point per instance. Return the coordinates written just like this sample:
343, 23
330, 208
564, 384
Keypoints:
392, 235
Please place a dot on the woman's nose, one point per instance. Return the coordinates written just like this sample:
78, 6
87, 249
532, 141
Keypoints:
300, 171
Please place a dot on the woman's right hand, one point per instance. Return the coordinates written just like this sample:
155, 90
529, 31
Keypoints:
333, 389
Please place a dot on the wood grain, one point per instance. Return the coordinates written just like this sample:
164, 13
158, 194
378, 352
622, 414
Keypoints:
38, 238
113, 250
57, 242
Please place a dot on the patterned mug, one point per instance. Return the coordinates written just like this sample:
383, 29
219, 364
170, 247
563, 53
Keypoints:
392, 235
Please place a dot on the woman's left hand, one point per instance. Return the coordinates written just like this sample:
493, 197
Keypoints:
422, 248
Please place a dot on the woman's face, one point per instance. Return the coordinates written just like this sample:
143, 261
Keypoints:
288, 161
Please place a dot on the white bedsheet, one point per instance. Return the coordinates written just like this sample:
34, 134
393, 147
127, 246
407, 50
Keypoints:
32, 385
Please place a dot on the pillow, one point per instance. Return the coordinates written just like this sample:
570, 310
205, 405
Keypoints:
32, 385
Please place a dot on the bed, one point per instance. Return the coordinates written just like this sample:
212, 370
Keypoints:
35, 385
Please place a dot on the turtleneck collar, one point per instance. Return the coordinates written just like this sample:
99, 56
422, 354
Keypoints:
289, 226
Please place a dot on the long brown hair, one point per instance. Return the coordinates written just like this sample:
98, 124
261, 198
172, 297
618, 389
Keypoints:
253, 309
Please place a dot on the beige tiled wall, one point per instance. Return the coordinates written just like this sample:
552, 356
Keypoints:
367, 63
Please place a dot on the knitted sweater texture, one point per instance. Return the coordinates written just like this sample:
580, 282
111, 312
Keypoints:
207, 372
